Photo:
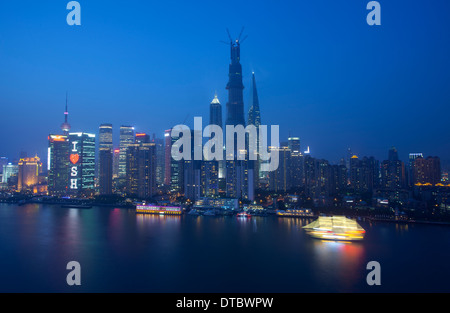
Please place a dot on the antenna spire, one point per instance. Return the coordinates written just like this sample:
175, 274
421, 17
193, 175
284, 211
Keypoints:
66, 112
66, 126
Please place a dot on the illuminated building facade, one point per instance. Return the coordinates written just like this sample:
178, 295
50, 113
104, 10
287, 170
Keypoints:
29, 170
141, 169
126, 138
211, 171
58, 164
215, 112
142, 138
3, 161
280, 179
9, 170
210, 178
218, 203
192, 184
116, 155
105, 136
322, 179
160, 160
363, 174
82, 163
174, 172
167, 156
427, 171
411, 170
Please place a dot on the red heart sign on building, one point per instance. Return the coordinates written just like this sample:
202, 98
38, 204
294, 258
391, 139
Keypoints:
74, 158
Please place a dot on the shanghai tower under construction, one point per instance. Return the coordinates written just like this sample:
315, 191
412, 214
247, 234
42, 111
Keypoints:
239, 173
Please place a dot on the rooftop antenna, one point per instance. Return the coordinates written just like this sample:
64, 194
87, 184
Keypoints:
65, 126
240, 34
229, 36
238, 40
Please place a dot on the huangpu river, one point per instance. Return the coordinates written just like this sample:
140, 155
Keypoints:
121, 251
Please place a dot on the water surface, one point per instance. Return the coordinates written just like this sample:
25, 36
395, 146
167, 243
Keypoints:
120, 251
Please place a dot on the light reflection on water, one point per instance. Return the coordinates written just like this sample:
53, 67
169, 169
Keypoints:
121, 251
151, 219
338, 260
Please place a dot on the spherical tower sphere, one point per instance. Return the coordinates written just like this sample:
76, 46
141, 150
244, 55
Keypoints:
65, 127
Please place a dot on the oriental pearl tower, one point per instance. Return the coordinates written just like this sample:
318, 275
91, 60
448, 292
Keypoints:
65, 126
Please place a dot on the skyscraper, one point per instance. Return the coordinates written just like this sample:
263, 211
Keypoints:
192, 185
126, 138
9, 170
411, 171
254, 118
239, 173
176, 171
392, 171
337, 179
58, 164
318, 175
116, 155
235, 87
105, 136
29, 170
141, 168
215, 112
160, 159
58, 159
3, 161
363, 174
210, 178
142, 138
254, 114
213, 170
167, 156
296, 165
105, 170
280, 179
393, 154
82, 163
427, 171
105, 142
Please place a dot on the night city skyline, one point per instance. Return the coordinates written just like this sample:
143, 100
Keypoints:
362, 94
225, 154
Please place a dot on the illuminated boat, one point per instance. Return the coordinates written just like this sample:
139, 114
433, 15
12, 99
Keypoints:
335, 228
295, 213
160, 210
243, 215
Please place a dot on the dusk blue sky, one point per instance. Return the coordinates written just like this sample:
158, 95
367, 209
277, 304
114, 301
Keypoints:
322, 73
